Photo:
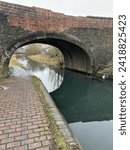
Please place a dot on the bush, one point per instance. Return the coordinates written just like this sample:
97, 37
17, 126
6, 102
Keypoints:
55, 52
34, 49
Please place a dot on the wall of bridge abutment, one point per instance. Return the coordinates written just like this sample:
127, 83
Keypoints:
86, 42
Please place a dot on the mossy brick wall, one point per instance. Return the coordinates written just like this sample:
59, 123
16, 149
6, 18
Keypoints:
92, 34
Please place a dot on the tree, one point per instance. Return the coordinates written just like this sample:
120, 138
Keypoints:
34, 49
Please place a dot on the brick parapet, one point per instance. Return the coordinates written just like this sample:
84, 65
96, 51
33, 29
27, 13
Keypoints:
37, 19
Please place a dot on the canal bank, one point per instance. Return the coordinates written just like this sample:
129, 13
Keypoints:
24, 121
84, 101
61, 131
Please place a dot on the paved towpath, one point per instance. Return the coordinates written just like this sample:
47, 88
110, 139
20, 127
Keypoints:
23, 123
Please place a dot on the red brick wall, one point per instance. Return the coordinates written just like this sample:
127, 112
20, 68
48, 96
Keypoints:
37, 19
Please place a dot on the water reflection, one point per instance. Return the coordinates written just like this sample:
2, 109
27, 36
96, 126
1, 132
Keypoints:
94, 135
30, 64
81, 98
50, 76
87, 106
18, 72
85, 103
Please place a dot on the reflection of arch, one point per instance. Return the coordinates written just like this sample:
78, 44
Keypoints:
85, 102
73, 50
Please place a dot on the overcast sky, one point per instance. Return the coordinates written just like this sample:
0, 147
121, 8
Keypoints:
72, 7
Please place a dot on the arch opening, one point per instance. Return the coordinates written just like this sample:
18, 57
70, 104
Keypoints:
73, 50
40, 60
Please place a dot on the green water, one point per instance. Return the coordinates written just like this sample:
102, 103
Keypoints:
88, 108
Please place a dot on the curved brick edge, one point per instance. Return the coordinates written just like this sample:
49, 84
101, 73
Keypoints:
57, 121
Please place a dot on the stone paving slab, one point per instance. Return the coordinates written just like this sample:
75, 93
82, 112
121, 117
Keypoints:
23, 122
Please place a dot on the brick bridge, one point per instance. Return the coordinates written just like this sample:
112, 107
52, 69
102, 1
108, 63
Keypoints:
86, 42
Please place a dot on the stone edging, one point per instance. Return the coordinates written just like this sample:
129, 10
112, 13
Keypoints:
61, 131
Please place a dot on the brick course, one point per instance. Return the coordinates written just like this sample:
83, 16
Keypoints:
36, 19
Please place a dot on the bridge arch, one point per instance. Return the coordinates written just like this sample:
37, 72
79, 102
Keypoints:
73, 50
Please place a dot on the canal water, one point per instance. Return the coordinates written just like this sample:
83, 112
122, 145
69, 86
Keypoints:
86, 103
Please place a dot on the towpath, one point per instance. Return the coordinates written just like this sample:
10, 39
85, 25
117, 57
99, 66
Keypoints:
23, 122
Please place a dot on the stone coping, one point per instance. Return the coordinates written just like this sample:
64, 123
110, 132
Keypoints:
60, 121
